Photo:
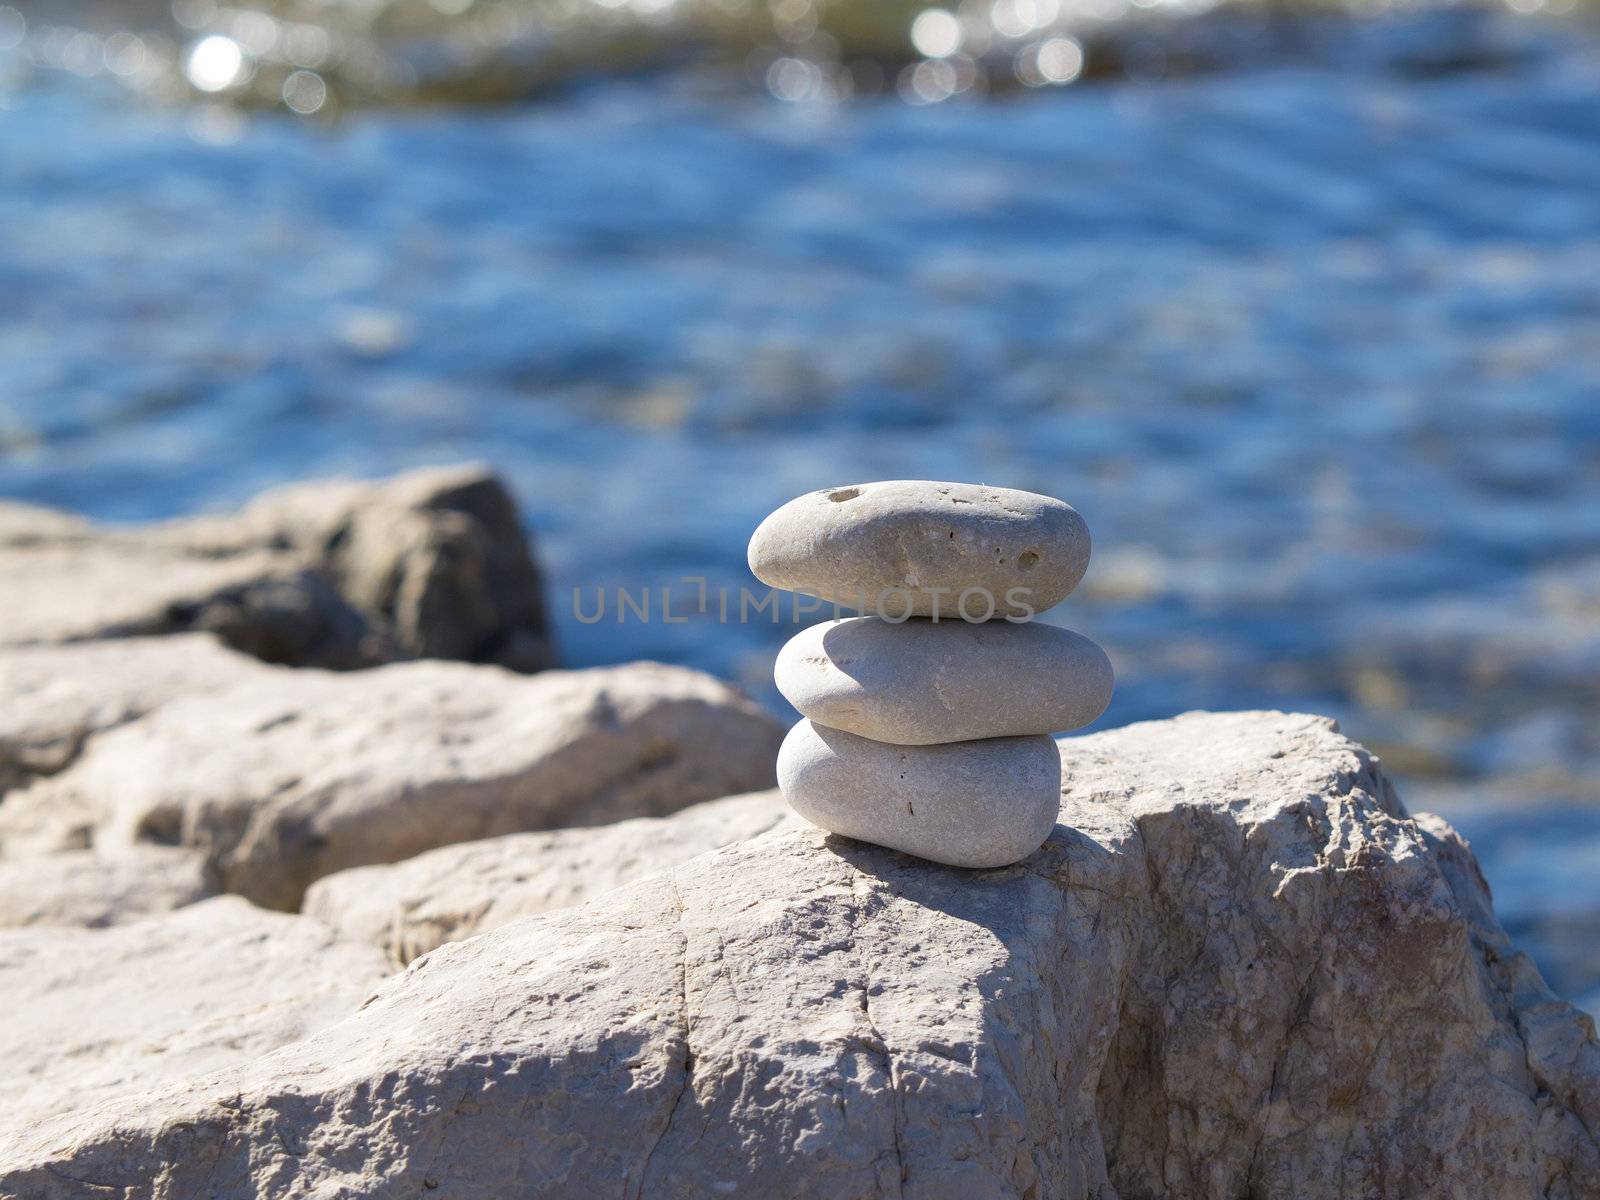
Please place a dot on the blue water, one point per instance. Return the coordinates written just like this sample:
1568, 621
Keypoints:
1315, 349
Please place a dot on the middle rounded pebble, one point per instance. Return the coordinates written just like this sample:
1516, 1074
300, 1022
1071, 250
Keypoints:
925, 682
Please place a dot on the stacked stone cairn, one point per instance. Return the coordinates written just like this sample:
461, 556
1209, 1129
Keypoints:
927, 718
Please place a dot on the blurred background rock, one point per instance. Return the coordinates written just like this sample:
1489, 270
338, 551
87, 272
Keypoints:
1298, 303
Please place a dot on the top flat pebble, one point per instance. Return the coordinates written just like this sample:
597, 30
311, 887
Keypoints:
912, 547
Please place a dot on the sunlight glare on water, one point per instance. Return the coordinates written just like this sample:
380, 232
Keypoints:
936, 33
215, 63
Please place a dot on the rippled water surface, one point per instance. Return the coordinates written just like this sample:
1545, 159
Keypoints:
1315, 349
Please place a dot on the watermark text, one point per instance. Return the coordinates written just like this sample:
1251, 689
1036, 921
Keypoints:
677, 606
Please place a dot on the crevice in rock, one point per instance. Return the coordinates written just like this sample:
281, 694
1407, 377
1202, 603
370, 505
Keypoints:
878, 1045
1299, 1018
686, 1086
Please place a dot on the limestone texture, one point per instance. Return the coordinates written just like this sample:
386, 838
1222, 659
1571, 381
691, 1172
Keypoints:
340, 573
91, 890
922, 682
95, 1018
454, 892
1236, 969
294, 774
54, 698
917, 548
966, 804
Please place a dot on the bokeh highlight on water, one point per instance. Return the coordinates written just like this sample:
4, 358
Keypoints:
318, 58
1314, 344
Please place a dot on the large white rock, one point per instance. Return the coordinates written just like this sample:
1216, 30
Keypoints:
916, 547
294, 774
408, 908
967, 804
98, 1017
1236, 969
920, 682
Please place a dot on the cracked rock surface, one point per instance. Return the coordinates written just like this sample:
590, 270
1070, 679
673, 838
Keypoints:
1237, 969
454, 892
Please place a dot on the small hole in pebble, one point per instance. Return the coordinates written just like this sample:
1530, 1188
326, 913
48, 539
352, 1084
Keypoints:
843, 494
1027, 558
